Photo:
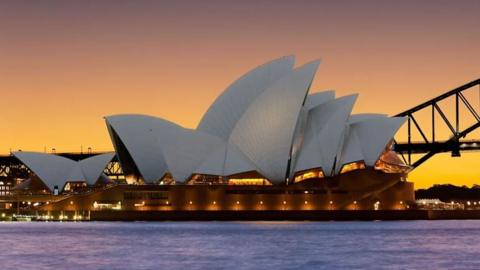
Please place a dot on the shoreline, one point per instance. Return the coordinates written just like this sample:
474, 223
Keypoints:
275, 215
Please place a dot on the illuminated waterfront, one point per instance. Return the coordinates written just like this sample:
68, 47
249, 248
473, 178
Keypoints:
241, 245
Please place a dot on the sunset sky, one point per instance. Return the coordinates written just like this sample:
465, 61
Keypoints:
64, 65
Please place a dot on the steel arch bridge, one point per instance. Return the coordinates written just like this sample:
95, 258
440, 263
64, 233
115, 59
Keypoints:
429, 143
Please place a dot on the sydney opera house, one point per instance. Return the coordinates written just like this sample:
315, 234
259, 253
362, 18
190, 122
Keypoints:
265, 144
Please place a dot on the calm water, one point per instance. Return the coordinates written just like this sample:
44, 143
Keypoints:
241, 245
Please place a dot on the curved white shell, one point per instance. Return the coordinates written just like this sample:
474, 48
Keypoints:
228, 108
324, 134
265, 131
56, 170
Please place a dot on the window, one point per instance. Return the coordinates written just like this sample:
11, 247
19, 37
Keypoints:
358, 165
308, 174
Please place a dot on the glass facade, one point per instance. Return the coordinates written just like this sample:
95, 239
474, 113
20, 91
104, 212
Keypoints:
389, 162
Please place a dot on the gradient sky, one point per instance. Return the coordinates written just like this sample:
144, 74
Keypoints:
64, 64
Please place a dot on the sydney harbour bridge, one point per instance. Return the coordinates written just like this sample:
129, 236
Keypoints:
439, 125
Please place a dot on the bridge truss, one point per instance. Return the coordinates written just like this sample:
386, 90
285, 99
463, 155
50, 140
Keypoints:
429, 143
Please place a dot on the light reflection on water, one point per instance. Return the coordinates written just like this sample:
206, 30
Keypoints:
241, 245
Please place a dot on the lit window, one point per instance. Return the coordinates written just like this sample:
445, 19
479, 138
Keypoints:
249, 182
353, 166
205, 179
314, 173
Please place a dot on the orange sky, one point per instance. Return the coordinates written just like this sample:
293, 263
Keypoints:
63, 66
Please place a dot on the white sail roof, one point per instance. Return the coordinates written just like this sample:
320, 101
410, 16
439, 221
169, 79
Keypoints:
351, 151
374, 135
354, 118
262, 122
53, 170
315, 99
323, 136
312, 101
237, 162
265, 131
93, 167
187, 150
225, 160
56, 170
140, 135
214, 163
228, 108
158, 147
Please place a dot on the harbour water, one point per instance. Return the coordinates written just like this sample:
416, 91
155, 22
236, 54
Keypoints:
241, 245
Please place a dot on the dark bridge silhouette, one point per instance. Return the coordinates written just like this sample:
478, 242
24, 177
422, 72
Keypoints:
430, 145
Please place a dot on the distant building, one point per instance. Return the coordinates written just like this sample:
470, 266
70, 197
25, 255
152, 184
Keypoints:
436, 204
